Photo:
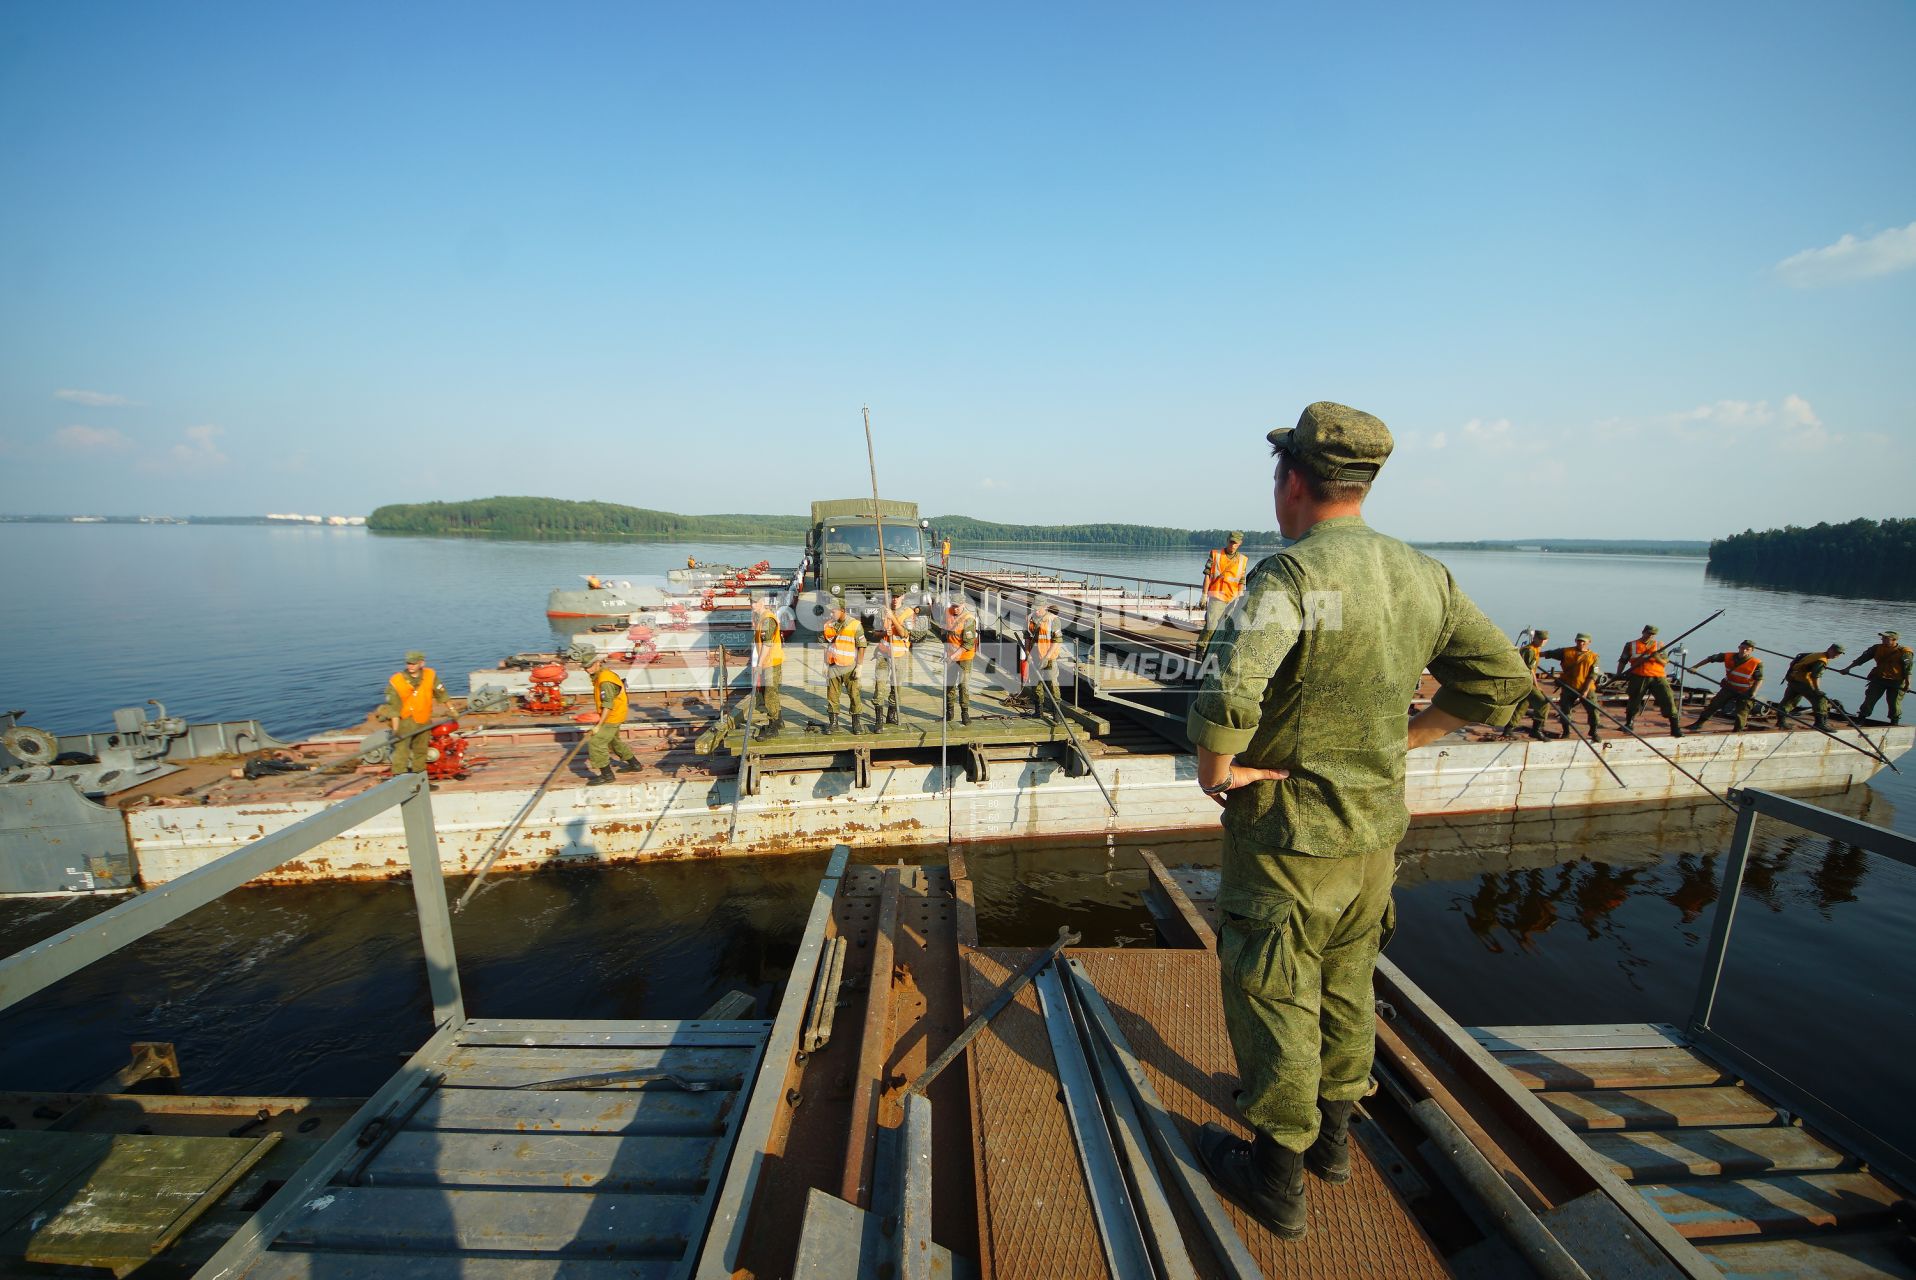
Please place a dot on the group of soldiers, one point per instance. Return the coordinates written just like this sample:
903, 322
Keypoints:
1644, 667
846, 643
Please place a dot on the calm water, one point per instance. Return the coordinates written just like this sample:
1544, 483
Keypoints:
320, 989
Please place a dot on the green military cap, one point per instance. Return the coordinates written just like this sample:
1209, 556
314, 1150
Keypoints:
1649, 629
1889, 635
413, 655
1236, 535
1746, 644
1837, 648
1336, 442
1583, 635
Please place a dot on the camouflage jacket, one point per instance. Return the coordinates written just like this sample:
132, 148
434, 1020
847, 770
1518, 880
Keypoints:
1318, 663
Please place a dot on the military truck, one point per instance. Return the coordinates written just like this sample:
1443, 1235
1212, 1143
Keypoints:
843, 545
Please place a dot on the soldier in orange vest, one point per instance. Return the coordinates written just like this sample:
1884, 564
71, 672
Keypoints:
1804, 679
1042, 643
894, 660
1888, 679
844, 638
961, 646
410, 696
1577, 682
1742, 673
1643, 666
1224, 571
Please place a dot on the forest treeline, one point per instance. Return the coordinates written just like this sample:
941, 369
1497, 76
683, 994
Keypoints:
1857, 558
561, 518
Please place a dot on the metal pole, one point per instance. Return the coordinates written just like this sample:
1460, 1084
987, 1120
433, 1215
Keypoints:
435, 921
878, 519
1732, 888
1603, 711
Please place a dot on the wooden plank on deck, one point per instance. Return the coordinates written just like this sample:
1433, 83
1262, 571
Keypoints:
1712, 1208
1602, 1035
1847, 1255
660, 1111
599, 1162
1609, 1068
1707, 1108
35, 1164
425, 1220
1701, 1153
301, 1264
510, 1066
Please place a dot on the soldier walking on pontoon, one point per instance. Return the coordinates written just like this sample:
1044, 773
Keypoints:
768, 661
1301, 735
410, 696
1643, 667
961, 646
1742, 673
1535, 704
1224, 571
1888, 679
844, 638
1804, 679
894, 660
1577, 683
604, 742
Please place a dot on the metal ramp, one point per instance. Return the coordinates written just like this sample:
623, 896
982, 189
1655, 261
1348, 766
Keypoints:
530, 1148
1755, 1190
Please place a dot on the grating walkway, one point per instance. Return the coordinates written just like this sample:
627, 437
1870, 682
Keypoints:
1035, 1216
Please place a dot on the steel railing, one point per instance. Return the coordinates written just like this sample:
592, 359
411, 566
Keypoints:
1794, 1095
41, 965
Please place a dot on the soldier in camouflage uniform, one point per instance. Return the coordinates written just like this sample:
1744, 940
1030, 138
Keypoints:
1804, 679
1535, 705
1317, 665
1888, 679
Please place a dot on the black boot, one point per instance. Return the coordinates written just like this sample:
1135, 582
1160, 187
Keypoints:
855, 728
964, 715
831, 723
1330, 1156
1260, 1175
630, 766
774, 726
604, 776
1536, 731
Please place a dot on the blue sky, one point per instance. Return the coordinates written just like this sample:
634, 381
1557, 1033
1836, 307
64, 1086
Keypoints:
1632, 271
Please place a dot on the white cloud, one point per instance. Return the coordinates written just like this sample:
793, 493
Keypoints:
81, 439
1791, 424
988, 483
92, 399
1439, 440
199, 450
1850, 259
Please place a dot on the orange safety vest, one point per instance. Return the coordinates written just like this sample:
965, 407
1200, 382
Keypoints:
896, 642
1806, 667
770, 649
1739, 674
841, 643
1044, 639
1224, 574
415, 703
1645, 657
611, 710
1579, 669
956, 649
1892, 662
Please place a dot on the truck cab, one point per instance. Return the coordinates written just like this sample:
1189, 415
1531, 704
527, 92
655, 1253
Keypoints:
843, 546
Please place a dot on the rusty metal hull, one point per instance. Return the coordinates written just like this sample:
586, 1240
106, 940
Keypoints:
690, 815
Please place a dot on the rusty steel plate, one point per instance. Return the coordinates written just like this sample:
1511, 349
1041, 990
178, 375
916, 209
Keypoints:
1036, 1219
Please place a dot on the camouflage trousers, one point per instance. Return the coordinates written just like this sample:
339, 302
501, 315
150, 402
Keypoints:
1796, 691
1214, 611
1892, 691
841, 680
1567, 703
1299, 941
1738, 704
1044, 688
887, 674
770, 681
1658, 689
1536, 706
603, 743
957, 688
409, 746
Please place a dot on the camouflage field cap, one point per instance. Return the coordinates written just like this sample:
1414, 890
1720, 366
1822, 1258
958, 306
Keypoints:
1583, 635
1235, 535
1837, 648
1649, 629
1336, 442
413, 655
1890, 635
1746, 644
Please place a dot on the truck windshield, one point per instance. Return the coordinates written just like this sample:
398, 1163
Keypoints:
862, 540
